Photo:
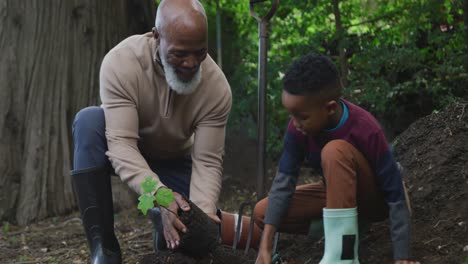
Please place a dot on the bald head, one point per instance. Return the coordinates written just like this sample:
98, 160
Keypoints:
180, 15
182, 33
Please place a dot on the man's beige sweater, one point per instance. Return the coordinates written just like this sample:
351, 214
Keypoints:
146, 119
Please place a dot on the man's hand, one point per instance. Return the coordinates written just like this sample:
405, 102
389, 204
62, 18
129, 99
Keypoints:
407, 262
266, 245
172, 223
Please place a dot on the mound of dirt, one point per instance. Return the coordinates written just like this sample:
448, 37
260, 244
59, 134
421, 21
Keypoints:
434, 153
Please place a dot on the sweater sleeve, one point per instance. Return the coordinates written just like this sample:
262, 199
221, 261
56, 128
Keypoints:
118, 91
284, 184
390, 182
207, 155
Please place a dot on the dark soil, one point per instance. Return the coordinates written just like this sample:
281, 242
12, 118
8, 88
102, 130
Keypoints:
202, 233
220, 255
433, 150
200, 243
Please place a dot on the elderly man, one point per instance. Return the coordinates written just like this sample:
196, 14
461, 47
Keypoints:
165, 105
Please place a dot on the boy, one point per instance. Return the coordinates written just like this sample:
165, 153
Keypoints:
360, 175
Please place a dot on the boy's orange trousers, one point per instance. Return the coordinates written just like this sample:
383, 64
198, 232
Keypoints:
349, 182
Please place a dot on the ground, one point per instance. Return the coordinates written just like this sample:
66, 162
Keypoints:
433, 151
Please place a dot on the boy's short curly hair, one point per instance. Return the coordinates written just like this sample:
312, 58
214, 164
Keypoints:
314, 75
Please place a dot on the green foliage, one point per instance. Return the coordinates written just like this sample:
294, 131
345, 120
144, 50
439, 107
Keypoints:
146, 202
399, 53
13, 241
149, 185
6, 228
24, 258
412, 56
163, 196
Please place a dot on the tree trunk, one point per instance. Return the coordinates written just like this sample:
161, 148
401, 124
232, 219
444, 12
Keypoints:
49, 68
340, 36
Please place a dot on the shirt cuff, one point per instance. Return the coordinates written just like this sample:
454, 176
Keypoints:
400, 230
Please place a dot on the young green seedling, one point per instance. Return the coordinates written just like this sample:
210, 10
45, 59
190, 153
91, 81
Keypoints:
163, 197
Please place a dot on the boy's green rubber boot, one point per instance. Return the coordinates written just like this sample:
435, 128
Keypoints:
315, 229
341, 236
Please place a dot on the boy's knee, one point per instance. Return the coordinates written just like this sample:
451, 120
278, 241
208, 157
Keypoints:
87, 121
335, 149
259, 212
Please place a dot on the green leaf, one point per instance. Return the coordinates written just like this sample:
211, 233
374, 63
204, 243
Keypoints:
147, 198
146, 203
149, 185
164, 197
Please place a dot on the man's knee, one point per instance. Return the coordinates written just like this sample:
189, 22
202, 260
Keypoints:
89, 122
259, 212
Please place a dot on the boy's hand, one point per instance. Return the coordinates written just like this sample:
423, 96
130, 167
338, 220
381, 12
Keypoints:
264, 256
172, 223
266, 245
407, 262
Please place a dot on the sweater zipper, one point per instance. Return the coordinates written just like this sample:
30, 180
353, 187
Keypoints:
168, 104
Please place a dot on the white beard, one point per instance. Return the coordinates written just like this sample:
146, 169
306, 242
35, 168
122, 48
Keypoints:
178, 85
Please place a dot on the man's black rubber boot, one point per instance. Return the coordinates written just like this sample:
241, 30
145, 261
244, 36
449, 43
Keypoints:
94, 193
159, 243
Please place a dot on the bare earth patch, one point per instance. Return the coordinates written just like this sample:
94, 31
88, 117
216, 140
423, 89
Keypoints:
433, 150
